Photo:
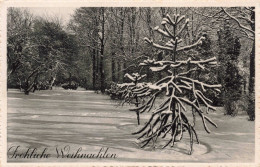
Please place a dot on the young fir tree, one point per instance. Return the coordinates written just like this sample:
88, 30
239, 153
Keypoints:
129, 88
183, 93
231, 80
125, 91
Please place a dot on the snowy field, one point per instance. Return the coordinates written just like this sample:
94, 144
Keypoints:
84, 119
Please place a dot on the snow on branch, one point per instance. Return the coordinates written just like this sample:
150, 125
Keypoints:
163, 65
158, 68
134, 77
180, 19
157, 45
164, 33
202, 84
171, 21
237, 21
125, 85
199, 111
129, 77
246, 19
178, 87
183, 27
168, 31
172, 43
211, 61
165, 21
191, 46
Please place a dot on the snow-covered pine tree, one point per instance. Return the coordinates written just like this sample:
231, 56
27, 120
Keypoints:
113, 92
128, 92
183, 93
125, 91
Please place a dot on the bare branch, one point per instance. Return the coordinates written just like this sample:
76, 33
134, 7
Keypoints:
237, 21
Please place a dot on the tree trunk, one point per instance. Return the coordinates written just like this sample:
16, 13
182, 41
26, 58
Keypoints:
102, 75
251, 89
113, 68
28, 86
118, 71
124, 70
174, 54
122, 42
97, 69
94, 69
20, 84
113, 63
136, 105
70, 78
151, 76
52, 82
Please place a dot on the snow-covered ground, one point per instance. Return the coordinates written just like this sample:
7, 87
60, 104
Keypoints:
84, 119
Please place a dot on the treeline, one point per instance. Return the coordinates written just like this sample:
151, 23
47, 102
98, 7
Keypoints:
100, 45
40, 53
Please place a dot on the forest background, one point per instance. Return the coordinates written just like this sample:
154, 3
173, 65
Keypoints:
98, 46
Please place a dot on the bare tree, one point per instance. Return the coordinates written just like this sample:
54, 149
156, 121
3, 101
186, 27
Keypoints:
19, 30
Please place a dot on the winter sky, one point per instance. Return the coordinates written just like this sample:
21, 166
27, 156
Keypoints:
62, 13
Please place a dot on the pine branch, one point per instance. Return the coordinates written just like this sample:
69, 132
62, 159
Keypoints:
191, 46
164, 33
180, 19
203, 85
168, 31
183, 27
129, 77
157, 45
170, 20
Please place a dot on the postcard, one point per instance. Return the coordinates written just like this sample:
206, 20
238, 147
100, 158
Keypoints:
129, 83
